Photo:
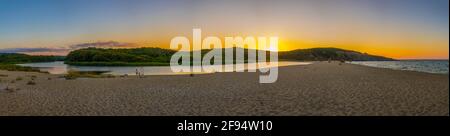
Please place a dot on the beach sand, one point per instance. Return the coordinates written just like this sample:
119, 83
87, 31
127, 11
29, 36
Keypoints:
320, 89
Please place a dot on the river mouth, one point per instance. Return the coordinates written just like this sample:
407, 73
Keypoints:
59, 68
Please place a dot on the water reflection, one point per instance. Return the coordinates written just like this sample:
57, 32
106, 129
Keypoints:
60, 68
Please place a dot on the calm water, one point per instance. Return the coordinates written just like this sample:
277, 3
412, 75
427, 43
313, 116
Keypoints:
429, 66
61, 68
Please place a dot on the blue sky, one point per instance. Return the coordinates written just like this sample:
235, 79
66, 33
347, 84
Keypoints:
404, 25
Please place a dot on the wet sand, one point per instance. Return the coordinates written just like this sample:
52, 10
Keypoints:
318, 89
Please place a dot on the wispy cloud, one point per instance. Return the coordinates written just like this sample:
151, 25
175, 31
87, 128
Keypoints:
65, 50
109, 44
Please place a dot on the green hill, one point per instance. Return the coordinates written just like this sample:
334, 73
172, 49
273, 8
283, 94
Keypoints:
120, 57
161, 57
315, 54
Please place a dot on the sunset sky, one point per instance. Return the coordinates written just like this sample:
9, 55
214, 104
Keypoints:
402, 29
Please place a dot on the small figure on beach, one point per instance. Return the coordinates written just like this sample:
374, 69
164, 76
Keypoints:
137, 73
142, 72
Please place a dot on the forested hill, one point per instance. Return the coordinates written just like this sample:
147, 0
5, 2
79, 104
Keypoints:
119, 57
315, 54
158, 56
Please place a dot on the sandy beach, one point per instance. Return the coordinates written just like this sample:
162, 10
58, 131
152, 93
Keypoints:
319, 89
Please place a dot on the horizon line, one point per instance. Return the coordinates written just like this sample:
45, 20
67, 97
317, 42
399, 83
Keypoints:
68, 51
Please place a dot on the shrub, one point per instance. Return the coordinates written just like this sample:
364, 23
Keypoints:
12, 67
31, 83
19, 78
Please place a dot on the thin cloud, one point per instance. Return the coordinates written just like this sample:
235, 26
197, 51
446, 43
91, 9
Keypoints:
109, 44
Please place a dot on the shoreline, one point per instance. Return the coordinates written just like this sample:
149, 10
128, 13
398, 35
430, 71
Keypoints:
317, 89
311, 62
399, 69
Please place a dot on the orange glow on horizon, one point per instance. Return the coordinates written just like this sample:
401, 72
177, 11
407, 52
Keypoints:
386, 51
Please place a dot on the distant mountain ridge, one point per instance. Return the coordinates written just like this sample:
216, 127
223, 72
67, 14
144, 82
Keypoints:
14, 58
